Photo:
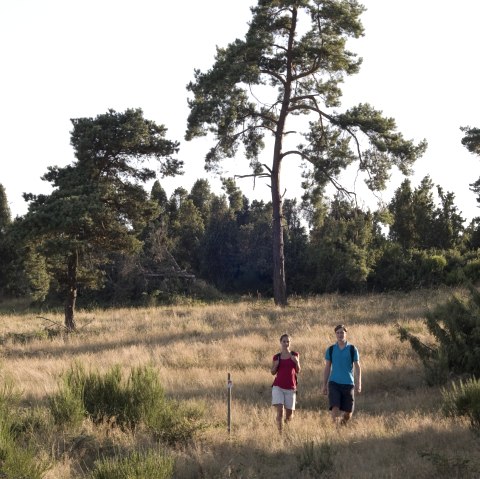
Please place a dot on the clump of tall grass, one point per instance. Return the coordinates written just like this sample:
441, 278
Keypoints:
140, 400
136, 465
463, 400
176, 422
317, 459
18, 452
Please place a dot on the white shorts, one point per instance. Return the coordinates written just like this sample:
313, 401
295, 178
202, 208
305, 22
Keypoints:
284, 396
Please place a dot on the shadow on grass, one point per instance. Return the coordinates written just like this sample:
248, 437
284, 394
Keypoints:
422, 454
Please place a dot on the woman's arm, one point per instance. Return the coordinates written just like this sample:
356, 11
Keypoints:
274, 368
296, 360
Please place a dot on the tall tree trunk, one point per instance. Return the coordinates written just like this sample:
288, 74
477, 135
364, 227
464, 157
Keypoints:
279, 280
71, 299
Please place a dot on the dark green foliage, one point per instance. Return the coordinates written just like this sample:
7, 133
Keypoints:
5, 215
472, 234
187, 231
296, 248
255, 239
455, 325
5, 221
393, 269
339, 249
448, 226
471, 141
417, 223
221, 257
202, 197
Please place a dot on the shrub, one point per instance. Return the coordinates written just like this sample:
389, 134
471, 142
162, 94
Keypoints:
127, 404
455, 326
18, 458
393, 270
137, 465
463, 400
108, 398
67, 408
145, 395
472, 270
429, 268
175, 422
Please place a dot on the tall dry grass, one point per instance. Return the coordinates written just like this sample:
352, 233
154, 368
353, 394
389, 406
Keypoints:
397, 430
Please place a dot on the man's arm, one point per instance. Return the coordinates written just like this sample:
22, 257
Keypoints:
358, 374
326, 375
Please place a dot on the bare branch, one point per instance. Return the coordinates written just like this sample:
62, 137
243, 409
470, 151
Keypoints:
56, 323
275, 75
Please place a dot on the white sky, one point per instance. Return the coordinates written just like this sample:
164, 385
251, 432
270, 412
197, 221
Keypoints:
63, 59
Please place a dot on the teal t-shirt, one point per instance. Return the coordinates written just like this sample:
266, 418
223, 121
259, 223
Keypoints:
342, 367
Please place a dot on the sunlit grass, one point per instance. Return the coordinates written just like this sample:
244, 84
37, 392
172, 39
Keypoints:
397, 430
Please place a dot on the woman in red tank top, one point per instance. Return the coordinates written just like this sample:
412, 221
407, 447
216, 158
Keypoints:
285, 367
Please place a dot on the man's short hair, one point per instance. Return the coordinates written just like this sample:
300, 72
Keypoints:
340, 326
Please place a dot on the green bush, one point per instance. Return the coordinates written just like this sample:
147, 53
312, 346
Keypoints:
430, 267
393, 270
146, 395
107, 397
472, 270
32, 423
463, 400
137, 465
67, 408
138, 400
175, 422
18, 457
19, 462
455, 325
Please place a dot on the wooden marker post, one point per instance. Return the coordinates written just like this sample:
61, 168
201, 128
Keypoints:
229, 403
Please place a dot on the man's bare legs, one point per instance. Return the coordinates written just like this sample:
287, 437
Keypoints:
336, 413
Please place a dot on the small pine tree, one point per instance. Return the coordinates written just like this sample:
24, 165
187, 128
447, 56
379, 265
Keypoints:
456, 327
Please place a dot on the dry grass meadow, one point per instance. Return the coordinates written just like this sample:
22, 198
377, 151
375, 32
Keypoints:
397, 430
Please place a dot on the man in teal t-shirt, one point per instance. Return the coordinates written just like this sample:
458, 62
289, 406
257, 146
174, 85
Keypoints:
338, 377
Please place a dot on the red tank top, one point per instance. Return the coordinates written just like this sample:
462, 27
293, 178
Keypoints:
286, 377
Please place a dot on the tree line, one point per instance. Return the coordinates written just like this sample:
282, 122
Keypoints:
101, 233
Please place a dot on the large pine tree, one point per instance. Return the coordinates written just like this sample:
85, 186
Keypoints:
98, 205
291, 64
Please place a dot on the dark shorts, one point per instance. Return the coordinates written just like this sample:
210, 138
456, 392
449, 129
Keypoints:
341, 396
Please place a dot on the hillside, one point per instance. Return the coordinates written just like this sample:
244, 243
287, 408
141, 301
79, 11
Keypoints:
397, 430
